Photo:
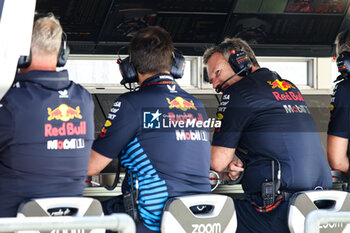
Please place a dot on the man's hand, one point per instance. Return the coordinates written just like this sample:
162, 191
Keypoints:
235, 168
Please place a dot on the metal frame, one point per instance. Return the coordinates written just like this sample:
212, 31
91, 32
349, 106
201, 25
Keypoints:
317, 217
311, 67
198, 85
116, 222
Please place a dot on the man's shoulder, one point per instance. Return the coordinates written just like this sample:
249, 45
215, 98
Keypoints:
262, 72
185, 94
156, 96
342, 90
265, 79
17, 89
79, 87
254, 79
345, 83
132, 96
136, 99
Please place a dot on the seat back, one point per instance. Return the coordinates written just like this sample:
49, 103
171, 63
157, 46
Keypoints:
61, 206
209, 213
302, 203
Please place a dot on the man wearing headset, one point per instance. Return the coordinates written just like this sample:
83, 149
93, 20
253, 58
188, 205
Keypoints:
148, 131
338, 128
46, 126
265, 121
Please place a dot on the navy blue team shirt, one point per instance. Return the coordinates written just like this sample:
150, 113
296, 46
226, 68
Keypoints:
158, 135
46, 133
340, 113
268, 117
340, 118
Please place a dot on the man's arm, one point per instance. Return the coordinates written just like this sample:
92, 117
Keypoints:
119, 129
337, 153
222, 157
97, 163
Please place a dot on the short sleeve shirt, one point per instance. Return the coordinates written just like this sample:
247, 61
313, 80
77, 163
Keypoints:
158, 133
339, 124
268, 117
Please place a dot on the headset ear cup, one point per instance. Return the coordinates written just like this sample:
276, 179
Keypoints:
127, 71
177, 66
63, 54
24, 61
240, 61
343, 63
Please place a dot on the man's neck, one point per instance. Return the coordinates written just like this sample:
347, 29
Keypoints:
143, 77
42, 62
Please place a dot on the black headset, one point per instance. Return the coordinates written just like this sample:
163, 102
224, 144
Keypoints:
62, 57
129, 73
343, 64
240, 64
343, 60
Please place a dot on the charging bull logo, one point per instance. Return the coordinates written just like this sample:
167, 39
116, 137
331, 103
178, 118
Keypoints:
283, 85
64, 113
181, 103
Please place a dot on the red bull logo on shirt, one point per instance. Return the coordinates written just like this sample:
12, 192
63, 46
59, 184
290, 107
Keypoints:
66, 129
219, 116
64, 113
283, 85
290, 95
181, 103
183, 117
107, 124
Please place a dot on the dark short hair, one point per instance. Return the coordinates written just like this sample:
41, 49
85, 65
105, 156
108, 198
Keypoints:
151, 50
225, 49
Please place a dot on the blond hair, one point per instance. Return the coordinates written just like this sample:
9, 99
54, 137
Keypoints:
47, 35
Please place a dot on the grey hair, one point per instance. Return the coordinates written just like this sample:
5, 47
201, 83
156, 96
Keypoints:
225, 48
46, 36
342, 42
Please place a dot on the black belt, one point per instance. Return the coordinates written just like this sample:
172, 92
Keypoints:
287, 195
284, 196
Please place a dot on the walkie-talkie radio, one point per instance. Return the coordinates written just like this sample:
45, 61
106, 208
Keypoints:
268, 193
269, 189
131, 199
